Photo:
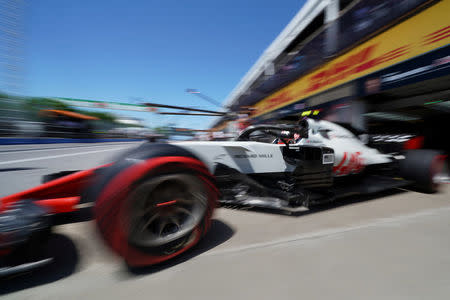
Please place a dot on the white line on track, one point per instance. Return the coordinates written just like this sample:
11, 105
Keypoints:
57, 156
330, 232
14, 151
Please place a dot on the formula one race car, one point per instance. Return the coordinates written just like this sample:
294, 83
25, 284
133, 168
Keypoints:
156, 201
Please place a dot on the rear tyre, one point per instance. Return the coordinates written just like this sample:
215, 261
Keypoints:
425, 167
151, 209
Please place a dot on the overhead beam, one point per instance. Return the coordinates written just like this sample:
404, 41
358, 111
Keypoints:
189, 114
217, 113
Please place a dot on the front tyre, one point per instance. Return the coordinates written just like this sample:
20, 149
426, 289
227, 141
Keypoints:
162, 213
150, 210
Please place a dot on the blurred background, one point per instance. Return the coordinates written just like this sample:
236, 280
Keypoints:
378, 67
122, 72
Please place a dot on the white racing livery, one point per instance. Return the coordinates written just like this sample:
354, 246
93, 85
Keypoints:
312, 162
350, 156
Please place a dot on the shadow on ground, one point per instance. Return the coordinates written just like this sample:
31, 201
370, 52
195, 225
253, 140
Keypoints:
66, 258
81, 215
352, 200
66, 254
218, 234
330, 205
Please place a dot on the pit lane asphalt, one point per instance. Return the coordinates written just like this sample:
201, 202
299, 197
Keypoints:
394, 246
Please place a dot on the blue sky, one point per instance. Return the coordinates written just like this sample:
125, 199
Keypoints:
150, 50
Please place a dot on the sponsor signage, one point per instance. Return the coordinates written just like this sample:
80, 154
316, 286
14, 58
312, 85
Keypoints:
424, 32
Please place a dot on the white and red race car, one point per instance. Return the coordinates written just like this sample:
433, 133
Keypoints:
312, 162
156, 201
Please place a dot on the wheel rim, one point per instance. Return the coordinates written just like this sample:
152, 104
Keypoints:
164, 210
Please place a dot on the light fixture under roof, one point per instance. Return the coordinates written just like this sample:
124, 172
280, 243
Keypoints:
439, 105
391, 116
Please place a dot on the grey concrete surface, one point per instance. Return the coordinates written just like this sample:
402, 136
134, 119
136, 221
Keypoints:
22, 166
392, 246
